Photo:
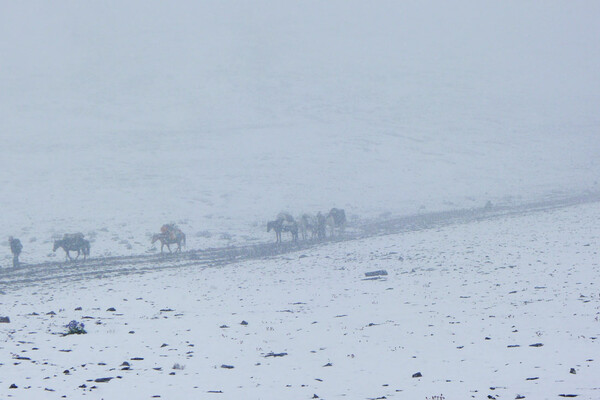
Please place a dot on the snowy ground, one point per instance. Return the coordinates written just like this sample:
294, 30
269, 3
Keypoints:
501, 308
118, 118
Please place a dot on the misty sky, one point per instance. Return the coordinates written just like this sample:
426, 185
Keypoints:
270, 105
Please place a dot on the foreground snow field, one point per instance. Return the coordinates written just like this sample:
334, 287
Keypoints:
504, 308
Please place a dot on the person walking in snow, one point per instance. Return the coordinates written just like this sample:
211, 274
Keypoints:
15, 248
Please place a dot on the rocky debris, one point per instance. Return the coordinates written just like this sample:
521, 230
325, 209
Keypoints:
13, 386
224, 326
328, 365
111, 309
103, 380
568, 395
163, 345
536, 345
380, 272
573, 371
225, 366
78, 309
417, 375
4, 320
244, 323
271, 354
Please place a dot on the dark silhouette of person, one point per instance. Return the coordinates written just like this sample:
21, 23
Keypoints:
15, 248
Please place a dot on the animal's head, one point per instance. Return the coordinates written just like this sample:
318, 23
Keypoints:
56, 245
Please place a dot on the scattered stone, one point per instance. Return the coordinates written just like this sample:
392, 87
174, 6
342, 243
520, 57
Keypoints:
513, 345
78, 309
51, 313
164, 345
533, 379
4, 320
214, 391
573, 371
536, 345
112, 309
243, 323
66, 372
328, 365
271, 354
568, 395
315, 396
417, 375
13, 386
102, 380
166, 310
519, 397
380, 272
83, 386
137, 358
227, 366
131, 332
223, 326
49, 390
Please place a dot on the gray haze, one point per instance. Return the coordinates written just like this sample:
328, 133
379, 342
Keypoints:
139, 112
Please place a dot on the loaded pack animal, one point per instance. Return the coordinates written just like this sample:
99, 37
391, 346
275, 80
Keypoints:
321, 222
307, 223
169, 234
336, 219
284, 223
73, 242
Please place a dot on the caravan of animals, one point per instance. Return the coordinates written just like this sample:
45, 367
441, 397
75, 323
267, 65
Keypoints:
313, 227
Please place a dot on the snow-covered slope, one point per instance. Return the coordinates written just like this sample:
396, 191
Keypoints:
117, 118
505, 308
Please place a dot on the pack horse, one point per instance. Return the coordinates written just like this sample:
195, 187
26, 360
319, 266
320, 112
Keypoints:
73, 242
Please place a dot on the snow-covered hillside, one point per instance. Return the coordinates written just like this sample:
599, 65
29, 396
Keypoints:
117, 118
506, 308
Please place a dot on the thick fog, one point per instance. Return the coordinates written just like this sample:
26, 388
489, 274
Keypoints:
218, 115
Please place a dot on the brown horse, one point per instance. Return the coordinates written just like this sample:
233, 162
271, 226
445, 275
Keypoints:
283, 225
169, 238
73, 242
